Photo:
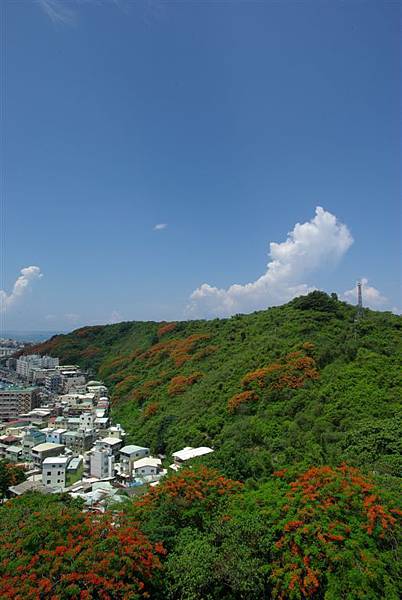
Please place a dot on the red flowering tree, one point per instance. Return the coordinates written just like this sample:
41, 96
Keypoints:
180, 383
242, 398
165, 328
293, 372
49, 548
192, 497
335, 533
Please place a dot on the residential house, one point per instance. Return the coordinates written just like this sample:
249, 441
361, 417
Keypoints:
78, 441
42, 451
14, 453
147, 467
109, 443
54, 471
128, 456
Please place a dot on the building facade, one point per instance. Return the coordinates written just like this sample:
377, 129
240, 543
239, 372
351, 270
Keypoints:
16, 400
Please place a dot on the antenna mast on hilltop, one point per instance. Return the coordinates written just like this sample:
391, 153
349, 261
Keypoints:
359, 300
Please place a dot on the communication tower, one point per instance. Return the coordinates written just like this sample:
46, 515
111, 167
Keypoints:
359, 299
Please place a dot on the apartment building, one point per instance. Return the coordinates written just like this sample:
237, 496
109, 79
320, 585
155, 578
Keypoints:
16, 400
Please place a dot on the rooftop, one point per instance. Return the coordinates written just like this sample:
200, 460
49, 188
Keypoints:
28, 486
189, 452
56, 460
147, 461
111, 441
11, 387
14, 449
131, 449
46, 446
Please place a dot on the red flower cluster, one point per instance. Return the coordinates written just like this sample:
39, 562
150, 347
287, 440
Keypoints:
163, 329
293, 372
242, 398
83, 556
200, 485
180, 351
326, 508
150, 410
144, 391
179, 384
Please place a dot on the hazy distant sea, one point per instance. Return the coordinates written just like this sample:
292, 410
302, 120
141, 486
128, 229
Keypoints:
28, 336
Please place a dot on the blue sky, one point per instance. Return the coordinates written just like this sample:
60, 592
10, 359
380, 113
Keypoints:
228, 122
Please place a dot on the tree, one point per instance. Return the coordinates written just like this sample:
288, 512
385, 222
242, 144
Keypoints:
49, 548
9, 475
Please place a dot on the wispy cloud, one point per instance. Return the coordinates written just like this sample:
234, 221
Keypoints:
160, 226
58, 12
309, 247
20, 287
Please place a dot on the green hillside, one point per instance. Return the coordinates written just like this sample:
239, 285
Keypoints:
297, 385
301, 498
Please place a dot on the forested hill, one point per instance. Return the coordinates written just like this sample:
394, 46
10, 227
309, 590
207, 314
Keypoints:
302, 384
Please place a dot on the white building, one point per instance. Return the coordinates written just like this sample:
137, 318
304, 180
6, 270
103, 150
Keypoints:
101, 463
181, 456
54, 471
129, 455
87, 420
26, 364
111, 444
147, 466
14, 453
71, 380
40, 452
54, 436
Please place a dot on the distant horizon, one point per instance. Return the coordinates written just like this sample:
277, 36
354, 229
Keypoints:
42, 332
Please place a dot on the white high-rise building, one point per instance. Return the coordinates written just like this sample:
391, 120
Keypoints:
26, 364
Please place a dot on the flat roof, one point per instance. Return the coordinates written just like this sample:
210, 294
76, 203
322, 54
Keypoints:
147, 461
46, 446
109, 440
75, 462
55, 460
190, 452
14, 449
27, 486
131, 449
11, 387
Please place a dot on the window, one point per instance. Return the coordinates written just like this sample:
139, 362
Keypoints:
48, 481
58, 472
49, 473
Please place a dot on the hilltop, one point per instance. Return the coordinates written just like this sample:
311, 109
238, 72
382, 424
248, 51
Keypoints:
298, 384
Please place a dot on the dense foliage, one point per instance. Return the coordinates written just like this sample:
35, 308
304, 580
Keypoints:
49, 548
300, 497
302, 383
9, 475
323, 533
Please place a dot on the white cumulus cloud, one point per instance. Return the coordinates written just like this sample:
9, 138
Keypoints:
160, 226
320, 242
20, 287
372, 297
